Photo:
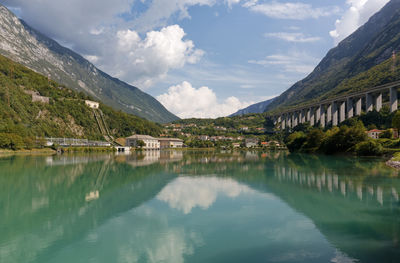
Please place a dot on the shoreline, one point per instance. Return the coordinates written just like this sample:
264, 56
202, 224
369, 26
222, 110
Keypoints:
45, 151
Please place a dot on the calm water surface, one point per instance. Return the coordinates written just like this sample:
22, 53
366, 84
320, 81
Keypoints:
198, 207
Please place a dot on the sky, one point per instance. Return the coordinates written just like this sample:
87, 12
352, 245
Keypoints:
200, 58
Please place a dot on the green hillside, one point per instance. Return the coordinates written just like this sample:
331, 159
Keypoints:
66, 114
31, 48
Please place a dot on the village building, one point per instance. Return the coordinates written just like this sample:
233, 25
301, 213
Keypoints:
150, 143
92, 104
374, 134
251, 142
236, 145
170, 143
203, 138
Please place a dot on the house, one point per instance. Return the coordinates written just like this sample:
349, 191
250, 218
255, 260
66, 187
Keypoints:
150, 143
220, 128
236, 145
251, 142
92, 104
170, 143
274, 143
203, 138
374, 134
264, 144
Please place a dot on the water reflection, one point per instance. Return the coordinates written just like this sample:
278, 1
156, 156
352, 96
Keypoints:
185, 193
172, 206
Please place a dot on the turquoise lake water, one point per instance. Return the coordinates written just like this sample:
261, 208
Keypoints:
198, 207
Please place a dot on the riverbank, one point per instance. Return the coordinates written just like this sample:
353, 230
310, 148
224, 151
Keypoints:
44, 151
394, 162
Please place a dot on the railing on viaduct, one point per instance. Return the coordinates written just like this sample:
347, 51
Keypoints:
336, 110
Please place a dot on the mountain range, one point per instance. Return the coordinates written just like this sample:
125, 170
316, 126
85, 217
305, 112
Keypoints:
363, 51
29, 47
254, 108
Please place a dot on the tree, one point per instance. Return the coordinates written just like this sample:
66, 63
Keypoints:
140, 144
387, 134
369, 148
396, 120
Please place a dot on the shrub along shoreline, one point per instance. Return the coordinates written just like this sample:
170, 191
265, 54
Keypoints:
345, 139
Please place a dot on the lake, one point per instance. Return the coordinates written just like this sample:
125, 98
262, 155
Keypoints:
175, 206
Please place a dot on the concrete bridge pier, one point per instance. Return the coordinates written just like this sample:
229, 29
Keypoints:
358, 106
368, 102
350, 108
303, 116
312, 116
378, 102
283, 122
334, 114
318, 114
393, 100
342, 111
322, 117
308, 116
329, 113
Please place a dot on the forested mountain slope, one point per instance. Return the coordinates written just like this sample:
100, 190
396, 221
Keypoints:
25, 45
64, 115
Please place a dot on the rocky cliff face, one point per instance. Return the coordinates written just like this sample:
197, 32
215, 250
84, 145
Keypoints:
367, 47
21, 43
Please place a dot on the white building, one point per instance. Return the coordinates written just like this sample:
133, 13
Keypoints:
250, 143
92, 104
170, 143
150, 143
374, 134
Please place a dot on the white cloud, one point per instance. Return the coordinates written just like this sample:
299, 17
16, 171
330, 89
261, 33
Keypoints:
160, 11
114, 37
290, 10
293, 37
187, 101
293, 62
358, 13
186, 193
144, 61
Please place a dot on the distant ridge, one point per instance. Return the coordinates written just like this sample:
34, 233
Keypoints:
255, 108
25, 45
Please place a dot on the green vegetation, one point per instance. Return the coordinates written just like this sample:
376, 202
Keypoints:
66, 115
342, 139
396, 157
87, 149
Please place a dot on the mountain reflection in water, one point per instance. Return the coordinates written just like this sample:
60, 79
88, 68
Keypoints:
175, 206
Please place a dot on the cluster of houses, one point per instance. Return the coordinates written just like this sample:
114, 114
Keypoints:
148, 142
179, 127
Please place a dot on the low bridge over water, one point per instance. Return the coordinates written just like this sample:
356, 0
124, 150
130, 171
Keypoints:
336, 110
